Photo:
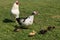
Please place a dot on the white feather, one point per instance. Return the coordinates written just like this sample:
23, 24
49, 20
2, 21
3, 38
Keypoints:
15, 10
28, 21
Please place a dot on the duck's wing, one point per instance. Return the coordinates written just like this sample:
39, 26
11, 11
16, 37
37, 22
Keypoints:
23, 19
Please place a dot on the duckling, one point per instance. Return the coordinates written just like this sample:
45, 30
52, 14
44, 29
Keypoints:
43, 31
50, 27
32, 33
53, 27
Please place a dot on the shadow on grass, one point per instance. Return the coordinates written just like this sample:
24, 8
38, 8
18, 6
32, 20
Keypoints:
7, 21
57, 21
18, 27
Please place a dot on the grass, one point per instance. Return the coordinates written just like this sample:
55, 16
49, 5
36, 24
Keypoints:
49, 11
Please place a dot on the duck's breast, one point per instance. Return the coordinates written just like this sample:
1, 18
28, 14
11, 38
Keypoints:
15, 9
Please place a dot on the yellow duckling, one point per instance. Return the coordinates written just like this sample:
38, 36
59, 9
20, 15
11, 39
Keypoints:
32, 33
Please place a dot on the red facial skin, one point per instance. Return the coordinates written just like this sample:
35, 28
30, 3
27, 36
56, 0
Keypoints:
17, 3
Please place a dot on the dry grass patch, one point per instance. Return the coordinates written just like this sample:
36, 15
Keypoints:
56, 16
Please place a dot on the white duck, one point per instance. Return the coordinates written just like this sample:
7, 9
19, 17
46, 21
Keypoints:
15, 10
28, 20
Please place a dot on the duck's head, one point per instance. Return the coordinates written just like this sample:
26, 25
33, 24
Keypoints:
17, 2
34, 13
34, 31
43, 31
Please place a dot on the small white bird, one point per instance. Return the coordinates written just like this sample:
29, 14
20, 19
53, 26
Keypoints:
28, 20
15, 10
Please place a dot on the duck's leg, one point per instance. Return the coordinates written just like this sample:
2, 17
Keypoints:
12, 17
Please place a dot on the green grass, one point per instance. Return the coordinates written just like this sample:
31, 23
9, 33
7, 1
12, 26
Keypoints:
49, 11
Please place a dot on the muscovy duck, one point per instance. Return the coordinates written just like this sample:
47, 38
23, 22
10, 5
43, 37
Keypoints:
28, 20
15, 10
